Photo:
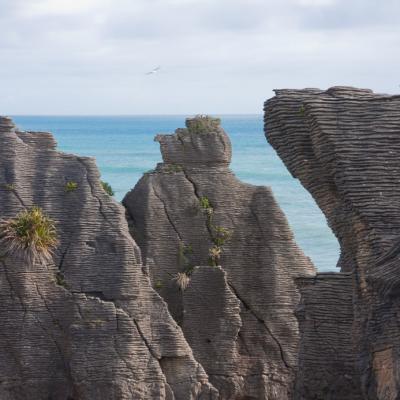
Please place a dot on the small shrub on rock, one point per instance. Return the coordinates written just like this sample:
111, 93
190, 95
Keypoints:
182, 280
202, 124
71, 186
31, 235
107, 188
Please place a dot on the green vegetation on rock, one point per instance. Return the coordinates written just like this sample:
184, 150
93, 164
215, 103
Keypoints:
71, 186
60, 280
219, 235
31, 234
182, 279
158, 285
205, 203
107, 188
202, 124
9, 186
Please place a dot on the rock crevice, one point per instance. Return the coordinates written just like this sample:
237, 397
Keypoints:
99, 331
343, 145
190, 213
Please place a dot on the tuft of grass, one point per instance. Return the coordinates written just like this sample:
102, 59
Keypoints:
184, 262
214, 255
158, 284
205, 203
202, 124
220, 235
107, 188
302, 110
31, 235
188, 249
183, 251
182, 280
71, 186
9, 186
60, 280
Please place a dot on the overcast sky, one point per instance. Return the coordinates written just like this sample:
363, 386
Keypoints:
216, 56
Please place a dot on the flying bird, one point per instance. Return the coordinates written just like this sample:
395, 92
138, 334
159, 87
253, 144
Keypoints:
154, 71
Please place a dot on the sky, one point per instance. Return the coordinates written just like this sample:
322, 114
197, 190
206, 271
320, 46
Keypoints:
90, 57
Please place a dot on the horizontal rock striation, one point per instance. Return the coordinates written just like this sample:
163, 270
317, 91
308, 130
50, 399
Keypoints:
87, 326
343, 145
327, 356
237, 313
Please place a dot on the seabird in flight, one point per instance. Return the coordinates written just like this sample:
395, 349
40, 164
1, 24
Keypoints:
154, 71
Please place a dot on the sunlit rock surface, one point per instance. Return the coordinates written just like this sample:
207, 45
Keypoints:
88, 325
343, 145
238, 317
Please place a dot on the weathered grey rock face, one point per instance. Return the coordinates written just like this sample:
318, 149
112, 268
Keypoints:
238, 318
88, 326
343, 145
327, 356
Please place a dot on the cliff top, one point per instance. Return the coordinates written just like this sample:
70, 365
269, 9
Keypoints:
202, 142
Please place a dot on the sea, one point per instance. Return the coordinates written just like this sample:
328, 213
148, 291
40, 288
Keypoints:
124, 149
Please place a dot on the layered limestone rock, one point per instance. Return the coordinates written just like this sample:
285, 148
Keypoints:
327, 356
87, 326
343, 145
237, 313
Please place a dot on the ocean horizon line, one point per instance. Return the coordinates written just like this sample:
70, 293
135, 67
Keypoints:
124, 149
135, 115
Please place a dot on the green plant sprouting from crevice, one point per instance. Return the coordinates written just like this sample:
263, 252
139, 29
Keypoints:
60, 280
71, 186
9, 186
214, 255
219, 235
182, 278
302, 110
107, 188
31, 235
202, 124
184, 253
158, 284
205, 203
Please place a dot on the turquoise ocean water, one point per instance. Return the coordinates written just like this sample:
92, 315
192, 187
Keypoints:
124, 148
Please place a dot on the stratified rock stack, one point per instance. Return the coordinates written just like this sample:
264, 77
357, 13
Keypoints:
88, 326
327, 355
237, 313
344, 147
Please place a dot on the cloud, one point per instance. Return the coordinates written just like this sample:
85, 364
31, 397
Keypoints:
41, 8
90, 56
355, 14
